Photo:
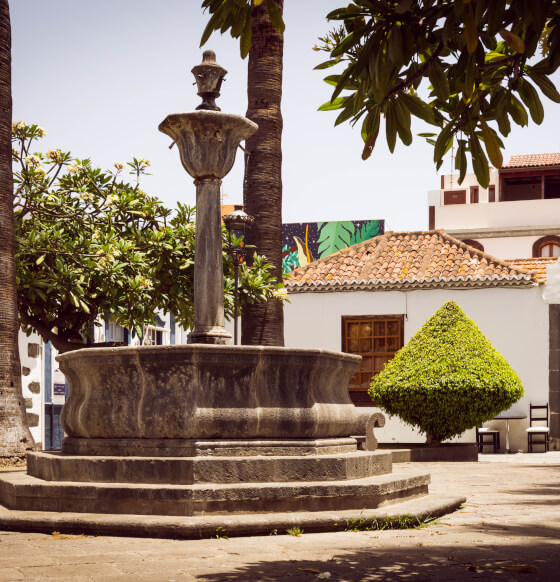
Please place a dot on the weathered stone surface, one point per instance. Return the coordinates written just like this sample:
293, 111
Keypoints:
25, 371
33, 350
183, 471
208, 392
32, 419
207, 140
198, 448
21, 491
34, 387
208, 267
28, 402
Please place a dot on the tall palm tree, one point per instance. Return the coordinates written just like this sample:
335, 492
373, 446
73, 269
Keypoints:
263, 323
15, 437
259, 26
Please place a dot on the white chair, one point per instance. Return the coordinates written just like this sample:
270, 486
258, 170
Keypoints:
481, 440
538, 430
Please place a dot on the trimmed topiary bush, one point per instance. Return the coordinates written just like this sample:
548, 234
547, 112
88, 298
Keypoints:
447, 379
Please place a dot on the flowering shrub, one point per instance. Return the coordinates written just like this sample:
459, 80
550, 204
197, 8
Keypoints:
90, 243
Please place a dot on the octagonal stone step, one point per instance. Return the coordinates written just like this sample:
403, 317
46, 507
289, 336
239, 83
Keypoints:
188, 470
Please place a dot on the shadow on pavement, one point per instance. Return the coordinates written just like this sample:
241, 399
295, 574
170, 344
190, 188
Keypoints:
450, 563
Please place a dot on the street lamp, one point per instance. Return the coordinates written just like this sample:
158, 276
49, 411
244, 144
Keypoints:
236, 223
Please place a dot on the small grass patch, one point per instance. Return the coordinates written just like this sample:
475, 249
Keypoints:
364, 523
295, 531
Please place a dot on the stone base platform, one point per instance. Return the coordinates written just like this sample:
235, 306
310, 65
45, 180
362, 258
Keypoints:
209, 469
25, 492
197, 527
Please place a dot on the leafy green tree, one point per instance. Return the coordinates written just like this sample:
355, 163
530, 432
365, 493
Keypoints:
90, 244
468, 67
447, 379
15, 437
259, 26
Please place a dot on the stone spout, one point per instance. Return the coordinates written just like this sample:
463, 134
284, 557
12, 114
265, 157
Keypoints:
207, 140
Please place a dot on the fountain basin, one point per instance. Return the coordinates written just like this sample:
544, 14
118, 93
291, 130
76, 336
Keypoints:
206, 393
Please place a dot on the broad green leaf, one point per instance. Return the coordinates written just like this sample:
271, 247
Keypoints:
333, 105
530, 98
492, 146
471, 32
391, 126
275, 16
479, 160
517, 111
546, 86
418, 107
439, 80
442, 142
403, 122
327, 64
514, 42
245, 41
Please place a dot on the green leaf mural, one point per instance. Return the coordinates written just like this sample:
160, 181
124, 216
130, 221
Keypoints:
368, 230
315, 240
334, 236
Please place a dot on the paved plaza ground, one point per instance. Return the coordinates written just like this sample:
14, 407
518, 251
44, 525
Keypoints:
509, 529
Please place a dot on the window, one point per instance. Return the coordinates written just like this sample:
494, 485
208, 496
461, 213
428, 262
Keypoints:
115, 333
491, 193
547, 246
455, 197
376, 338
153, 336
474, 194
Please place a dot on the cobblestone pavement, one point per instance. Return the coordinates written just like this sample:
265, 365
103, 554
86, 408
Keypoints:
509, 529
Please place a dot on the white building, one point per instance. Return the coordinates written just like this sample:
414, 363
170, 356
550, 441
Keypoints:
372, 297
517, 216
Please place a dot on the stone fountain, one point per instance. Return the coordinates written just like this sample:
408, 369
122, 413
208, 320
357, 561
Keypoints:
208, 428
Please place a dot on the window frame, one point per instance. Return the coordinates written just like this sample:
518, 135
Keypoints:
359, 394
544, 241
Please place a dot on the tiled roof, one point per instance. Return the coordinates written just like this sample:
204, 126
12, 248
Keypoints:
533, 161
406, 260
536, 266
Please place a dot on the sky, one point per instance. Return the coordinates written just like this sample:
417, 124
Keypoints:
100, 77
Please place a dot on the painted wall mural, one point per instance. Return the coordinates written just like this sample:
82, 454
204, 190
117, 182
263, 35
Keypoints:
304, 242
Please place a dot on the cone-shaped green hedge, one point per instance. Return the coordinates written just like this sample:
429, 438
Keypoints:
447, 379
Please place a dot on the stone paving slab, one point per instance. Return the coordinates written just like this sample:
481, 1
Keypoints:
508, 530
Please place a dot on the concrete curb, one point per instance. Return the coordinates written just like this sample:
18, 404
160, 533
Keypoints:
219, 526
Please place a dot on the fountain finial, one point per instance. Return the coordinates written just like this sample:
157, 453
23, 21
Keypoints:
209, 76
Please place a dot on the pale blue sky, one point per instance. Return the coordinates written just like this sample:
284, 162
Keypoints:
100, 76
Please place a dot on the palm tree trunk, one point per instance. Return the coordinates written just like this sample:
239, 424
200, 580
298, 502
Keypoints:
263, 323
15, 437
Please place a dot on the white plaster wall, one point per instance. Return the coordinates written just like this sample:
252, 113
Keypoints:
551, 289
514, 320
522, 213
451, 182
509, 247
32, 372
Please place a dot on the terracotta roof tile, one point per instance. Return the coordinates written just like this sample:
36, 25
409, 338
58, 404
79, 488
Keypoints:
408, 260
533, 160
535, 266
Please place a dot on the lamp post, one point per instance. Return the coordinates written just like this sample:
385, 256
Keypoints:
236, 224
